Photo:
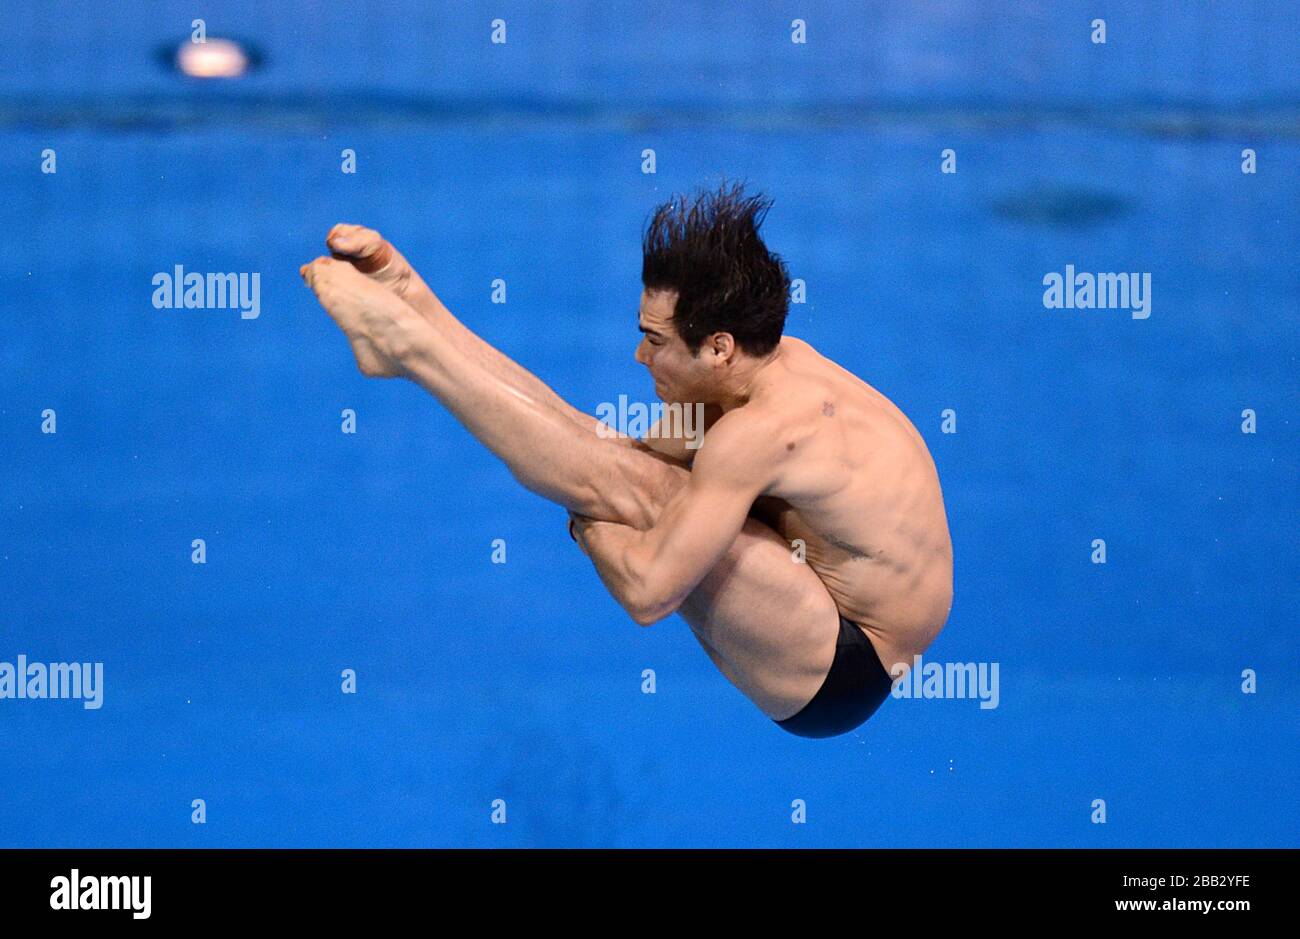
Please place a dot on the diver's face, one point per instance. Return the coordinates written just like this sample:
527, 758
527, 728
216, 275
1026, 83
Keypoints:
678, 375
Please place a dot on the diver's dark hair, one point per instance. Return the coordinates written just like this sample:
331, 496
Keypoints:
709, 252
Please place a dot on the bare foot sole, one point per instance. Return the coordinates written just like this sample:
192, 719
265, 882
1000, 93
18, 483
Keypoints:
375, 320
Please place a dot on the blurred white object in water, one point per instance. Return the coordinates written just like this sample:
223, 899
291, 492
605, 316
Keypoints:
216, 58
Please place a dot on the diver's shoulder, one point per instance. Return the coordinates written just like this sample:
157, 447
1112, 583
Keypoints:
804, 361
797, 346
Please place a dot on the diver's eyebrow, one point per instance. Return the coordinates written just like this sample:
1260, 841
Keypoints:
649, 332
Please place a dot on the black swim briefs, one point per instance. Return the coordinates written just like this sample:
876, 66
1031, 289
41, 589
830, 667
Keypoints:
854, 688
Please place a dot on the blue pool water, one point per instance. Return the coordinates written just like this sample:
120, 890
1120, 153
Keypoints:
522, 681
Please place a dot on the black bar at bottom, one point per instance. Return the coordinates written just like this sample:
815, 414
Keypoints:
293, 887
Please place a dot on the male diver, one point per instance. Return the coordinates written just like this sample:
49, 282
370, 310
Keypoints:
805, 541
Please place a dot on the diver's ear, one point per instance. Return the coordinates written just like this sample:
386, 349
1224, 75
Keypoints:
722, 345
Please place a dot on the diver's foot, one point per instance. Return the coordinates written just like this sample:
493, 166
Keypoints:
380, 325
371, 254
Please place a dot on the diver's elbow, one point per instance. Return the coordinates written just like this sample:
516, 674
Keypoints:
648, 608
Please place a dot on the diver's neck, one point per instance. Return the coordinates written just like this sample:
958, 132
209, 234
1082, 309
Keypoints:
751, 375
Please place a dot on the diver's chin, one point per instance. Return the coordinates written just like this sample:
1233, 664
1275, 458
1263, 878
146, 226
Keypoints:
669, 395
